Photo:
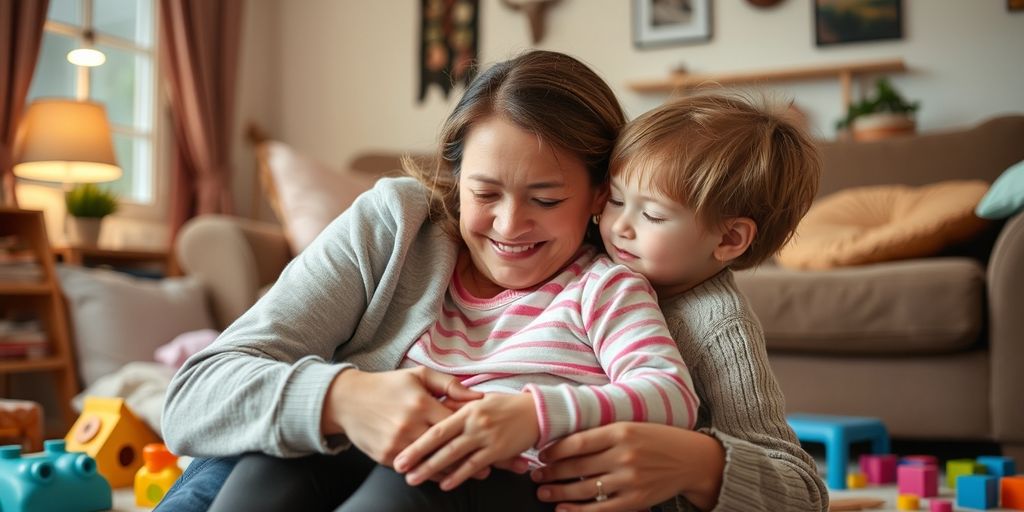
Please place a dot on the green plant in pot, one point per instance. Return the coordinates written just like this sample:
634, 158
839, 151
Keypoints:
87, 204
884, 114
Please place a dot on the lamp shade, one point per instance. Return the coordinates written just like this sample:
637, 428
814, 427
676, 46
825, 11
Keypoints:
65, 141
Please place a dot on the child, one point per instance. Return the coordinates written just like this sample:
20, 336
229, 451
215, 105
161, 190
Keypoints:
700, 187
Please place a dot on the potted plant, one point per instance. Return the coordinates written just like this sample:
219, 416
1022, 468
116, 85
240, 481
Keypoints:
883, 115
87, 204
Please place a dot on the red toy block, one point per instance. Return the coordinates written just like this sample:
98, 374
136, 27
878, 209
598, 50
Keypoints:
940, 506
922, 481
1011, 492
880, 469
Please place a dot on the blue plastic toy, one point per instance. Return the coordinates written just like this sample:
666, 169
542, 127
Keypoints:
51, 481
977, 491
838, 433
998, 466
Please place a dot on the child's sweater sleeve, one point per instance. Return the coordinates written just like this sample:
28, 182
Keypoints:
649, 380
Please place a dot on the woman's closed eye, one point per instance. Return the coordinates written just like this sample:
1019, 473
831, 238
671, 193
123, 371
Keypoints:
548, 203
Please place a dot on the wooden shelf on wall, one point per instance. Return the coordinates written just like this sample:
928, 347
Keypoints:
680, 82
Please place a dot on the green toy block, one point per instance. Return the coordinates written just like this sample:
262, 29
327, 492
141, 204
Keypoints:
960, 467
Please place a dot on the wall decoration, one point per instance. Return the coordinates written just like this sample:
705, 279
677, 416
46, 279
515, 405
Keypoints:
448, 43
1015, 5
534, 11
850, 21
664, 22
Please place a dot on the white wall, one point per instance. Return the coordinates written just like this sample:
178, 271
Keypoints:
347, 77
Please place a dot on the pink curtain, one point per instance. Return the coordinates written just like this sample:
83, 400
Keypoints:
199, 41
21, 36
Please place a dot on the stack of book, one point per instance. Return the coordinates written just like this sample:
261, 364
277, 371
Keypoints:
22, 338
17, 262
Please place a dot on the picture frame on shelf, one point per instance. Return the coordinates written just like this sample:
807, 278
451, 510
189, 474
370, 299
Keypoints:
670, 22
844, 21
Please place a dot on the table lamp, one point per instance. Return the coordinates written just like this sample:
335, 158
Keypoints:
65, 141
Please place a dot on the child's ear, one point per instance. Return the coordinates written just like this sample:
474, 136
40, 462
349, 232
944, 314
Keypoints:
737, 235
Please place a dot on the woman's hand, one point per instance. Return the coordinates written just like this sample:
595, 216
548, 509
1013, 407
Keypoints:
495, 428
639, 465
382, 412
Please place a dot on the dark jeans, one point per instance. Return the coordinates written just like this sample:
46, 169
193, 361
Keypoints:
195, 490
323, 482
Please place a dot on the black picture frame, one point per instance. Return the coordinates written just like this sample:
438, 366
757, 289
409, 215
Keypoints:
671, 22
838, 22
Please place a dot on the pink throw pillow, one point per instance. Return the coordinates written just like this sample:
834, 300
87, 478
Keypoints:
305, 194
182, 347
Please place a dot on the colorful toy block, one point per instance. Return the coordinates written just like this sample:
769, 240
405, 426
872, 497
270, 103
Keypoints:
922, 481
856, 480
838, 433
907, 502
920, 460
157, 476
51, 481
1011, 492
940, 506
112, 435
977, 491
959, 467
880, 469
998, 466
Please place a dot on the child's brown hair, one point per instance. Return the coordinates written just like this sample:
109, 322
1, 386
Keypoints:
723, 157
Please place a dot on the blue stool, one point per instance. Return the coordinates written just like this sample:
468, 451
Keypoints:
838, 433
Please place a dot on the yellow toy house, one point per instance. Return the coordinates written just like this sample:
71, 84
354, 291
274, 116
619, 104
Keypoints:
112, 435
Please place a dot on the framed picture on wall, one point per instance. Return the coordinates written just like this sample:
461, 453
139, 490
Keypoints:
1015, 5
852, 21
667, 22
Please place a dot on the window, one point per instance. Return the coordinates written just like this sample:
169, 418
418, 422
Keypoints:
126, 83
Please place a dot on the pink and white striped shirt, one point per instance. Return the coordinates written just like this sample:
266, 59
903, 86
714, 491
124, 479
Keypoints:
590, 345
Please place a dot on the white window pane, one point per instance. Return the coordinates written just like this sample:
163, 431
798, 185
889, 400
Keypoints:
124, 84
54, 75
127, 19
65, 11
134, 155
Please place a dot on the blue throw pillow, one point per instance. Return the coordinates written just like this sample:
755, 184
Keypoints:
1006, 196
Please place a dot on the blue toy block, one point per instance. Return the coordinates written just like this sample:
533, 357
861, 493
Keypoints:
977, 491
51, 481
998, 466
838, 433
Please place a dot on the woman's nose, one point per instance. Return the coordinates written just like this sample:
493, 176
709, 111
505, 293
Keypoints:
511, 221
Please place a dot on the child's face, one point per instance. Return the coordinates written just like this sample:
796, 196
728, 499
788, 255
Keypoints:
657, 237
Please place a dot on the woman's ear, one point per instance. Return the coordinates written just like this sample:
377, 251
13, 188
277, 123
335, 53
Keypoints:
600, 199
737, 235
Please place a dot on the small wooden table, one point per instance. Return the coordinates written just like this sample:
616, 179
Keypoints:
83, 255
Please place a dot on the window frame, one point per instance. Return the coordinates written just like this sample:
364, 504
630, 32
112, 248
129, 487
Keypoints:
158, 136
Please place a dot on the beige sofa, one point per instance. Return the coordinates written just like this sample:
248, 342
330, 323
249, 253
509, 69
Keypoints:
935, 347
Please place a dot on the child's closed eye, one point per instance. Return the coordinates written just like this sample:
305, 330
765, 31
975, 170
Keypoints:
614, 202
653, 218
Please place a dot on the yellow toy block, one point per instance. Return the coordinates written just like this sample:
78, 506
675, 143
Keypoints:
155, 478
856, 480
908, 502
112, 435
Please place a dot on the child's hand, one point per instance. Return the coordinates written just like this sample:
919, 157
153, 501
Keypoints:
482, 432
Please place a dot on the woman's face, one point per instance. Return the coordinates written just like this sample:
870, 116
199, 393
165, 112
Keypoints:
524, 207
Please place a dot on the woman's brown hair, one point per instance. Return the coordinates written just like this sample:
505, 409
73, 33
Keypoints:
549, 94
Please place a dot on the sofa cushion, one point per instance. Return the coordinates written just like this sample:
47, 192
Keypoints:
884, 223
1006, 197
305, 194
922, 306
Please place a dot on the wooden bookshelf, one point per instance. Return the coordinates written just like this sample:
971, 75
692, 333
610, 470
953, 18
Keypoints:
44, 299
678, 83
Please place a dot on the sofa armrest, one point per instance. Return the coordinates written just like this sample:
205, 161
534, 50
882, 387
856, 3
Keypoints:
1006, 330
233, 258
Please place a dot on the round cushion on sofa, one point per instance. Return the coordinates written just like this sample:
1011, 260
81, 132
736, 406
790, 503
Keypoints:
865, 225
